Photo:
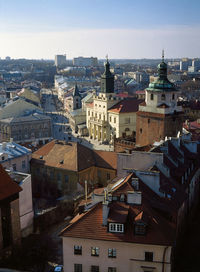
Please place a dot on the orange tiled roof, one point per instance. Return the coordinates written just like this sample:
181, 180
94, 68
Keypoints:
7, 186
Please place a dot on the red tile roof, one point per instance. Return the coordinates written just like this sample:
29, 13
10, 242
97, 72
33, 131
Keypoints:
7, 186
160, 230
73, 156
125, 106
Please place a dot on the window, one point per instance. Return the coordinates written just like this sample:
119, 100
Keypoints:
112, 252
163, 97
108, 176
127, 120
173, 96
23, 164
77, 250
77, 267
66, 178
151, 96
149, 256
94, 268
2, 158
115, 120
94, 251
112, 269
110, 119
113, 227
140, 229
149, 121
14, 167
140, 130
88, 113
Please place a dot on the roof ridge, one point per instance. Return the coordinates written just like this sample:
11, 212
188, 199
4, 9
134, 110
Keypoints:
82, 216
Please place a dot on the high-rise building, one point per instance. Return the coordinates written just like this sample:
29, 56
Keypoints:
159, 116
60, 60
81, 61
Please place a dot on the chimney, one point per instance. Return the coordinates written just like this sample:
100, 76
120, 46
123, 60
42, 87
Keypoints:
105, 208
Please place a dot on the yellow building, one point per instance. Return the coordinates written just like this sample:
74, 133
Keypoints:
108, 117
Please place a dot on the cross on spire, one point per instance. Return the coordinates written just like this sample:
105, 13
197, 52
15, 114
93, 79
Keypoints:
163, 55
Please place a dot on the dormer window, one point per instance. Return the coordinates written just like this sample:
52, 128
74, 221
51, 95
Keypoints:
122, 197
140, 228
115, 227
163, 97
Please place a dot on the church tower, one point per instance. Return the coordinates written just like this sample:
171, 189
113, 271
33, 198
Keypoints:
159, 116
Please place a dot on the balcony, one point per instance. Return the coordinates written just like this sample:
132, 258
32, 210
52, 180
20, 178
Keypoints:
97, 121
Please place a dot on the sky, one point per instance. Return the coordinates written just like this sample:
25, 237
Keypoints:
128, 29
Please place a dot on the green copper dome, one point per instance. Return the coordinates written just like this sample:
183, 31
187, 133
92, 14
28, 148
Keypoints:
162, 84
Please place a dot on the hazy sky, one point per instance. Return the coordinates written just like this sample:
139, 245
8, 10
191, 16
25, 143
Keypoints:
119, 28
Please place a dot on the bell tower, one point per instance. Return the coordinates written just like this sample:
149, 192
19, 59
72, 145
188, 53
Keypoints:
159, 116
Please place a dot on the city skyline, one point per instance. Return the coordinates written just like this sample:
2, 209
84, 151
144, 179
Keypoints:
42, 29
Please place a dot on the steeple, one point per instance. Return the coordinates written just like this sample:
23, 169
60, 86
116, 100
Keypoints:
76, 91
162, 68
107, 79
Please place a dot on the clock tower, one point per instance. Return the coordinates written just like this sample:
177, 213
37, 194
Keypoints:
159, 116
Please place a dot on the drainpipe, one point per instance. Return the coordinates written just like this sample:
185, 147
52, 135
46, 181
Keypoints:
163, 260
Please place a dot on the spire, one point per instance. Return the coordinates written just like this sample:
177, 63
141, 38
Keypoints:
163, 54
107, 79
76, 91
162, 68
107, 67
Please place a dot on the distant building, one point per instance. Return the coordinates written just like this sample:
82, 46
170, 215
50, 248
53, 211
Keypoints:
60, 168
15, 157
185, 63
60, 60
82, 61
109, 117
33, 128
160, 115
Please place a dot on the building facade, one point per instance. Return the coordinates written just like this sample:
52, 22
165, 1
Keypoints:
15, 157
35, 128
159, 116
119, 231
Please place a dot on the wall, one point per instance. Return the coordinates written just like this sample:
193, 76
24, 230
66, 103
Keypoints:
18, 161
15, 221
137, 160
130, 256
154, 127
26, 207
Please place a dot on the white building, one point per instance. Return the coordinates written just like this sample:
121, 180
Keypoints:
82, 61
60, 60
15, 157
